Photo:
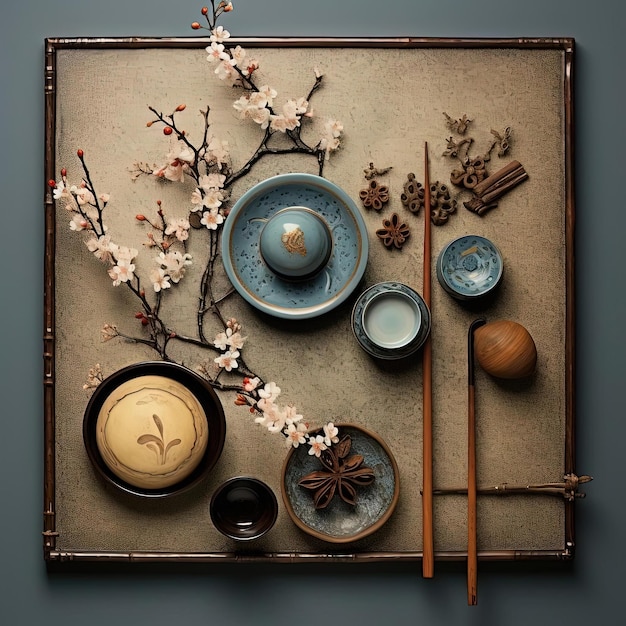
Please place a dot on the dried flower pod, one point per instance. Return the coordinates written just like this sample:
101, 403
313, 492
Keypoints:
441, 204
374, 195
394, 232
473, 172
460, 125
505, 349
413, 195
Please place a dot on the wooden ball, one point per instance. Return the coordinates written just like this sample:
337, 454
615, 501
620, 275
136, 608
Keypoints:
505, 349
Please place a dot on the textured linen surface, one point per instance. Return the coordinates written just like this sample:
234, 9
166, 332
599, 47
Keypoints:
390, 101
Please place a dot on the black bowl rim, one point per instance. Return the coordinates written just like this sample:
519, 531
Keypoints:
258, 483
198, 386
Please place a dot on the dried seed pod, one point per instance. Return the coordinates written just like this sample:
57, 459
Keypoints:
413, 195
505, 349
394, 232
374, 195
441, 204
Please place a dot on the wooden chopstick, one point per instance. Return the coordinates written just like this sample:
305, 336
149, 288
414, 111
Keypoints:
472, 549
428, 558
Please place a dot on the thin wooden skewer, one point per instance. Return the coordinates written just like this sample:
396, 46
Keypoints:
428, 558
472, 549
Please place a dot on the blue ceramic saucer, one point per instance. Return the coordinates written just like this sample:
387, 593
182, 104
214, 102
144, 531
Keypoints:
266, 289
469, 267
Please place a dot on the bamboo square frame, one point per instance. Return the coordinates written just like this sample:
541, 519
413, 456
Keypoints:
53, 542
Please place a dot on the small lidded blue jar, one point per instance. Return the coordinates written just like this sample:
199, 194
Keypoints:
296, 243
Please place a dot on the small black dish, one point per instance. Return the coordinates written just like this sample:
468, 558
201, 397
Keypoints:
243, 508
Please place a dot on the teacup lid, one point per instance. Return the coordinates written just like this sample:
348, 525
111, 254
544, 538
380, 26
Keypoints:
295, 243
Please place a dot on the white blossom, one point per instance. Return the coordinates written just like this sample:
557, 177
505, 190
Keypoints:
218, 152
174, 263
317, 445
250, 384
212, 219
228, 360
295, 435
212, 181
331, 433
78, 222
270, 391
101, 247
179, 227
122, 272
216, 52
159, 279
219, 34
239, 56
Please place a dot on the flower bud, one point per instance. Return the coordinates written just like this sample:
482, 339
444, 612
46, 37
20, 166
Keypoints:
181, 107
168, 130
139, 315
205, 10
144, 321
63, 172
52, 183
195, 25
142, 292
165, 245
140, 218
158, 203
148, 124
240, 400
80, 153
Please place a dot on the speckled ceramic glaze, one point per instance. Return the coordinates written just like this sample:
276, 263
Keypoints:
341, 522
469, 267
154, 428
390, 320
267, 290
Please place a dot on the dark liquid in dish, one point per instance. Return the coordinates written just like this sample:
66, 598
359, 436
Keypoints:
243, 507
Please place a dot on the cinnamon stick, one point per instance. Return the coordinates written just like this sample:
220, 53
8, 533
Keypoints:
495, 186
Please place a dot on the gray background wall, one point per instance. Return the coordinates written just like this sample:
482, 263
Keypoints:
586, 590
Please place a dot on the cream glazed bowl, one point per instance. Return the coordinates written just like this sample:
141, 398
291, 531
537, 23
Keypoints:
154, 429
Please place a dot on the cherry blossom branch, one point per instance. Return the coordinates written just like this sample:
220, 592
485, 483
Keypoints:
209, 166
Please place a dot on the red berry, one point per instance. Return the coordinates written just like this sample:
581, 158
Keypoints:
52, 183
168, 130
80, 153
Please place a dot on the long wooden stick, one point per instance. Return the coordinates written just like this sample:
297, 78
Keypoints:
428, 558
472, 548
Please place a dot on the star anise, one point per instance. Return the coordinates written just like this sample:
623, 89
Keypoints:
394, 232
343, 474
